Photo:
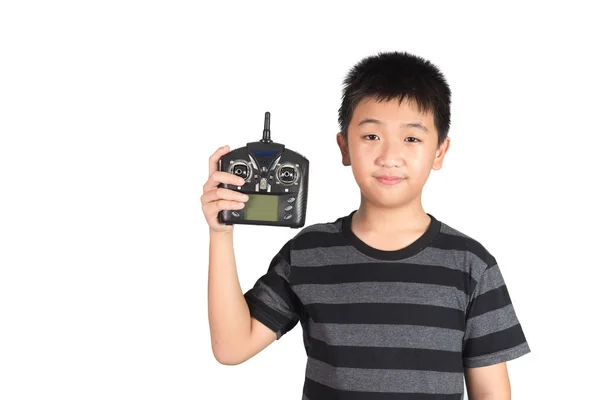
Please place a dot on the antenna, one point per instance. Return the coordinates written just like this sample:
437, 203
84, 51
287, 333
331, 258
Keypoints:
267, 131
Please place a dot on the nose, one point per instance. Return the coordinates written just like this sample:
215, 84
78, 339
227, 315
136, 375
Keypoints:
390, 155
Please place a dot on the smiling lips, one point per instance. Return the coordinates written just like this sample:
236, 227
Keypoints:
389, 179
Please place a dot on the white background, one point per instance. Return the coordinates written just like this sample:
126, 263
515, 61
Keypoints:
109, 112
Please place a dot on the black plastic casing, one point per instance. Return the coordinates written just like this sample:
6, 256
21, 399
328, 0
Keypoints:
267, 161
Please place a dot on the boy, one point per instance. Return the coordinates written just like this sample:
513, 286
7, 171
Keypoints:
394, 304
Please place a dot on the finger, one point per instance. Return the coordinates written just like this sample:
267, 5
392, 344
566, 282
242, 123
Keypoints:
220, 205
222, 177
213, 161
223, 194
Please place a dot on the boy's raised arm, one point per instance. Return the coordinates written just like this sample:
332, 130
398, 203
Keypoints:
235, 335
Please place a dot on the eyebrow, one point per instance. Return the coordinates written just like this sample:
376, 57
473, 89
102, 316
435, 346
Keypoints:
418, 125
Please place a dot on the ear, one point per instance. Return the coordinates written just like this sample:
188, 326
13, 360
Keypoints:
343, 148
440, 153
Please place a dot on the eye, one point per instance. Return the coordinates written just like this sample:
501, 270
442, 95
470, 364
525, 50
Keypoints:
413, 141
370, 135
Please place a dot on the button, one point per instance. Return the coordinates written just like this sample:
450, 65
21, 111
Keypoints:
287, 216
263, 183
291, 199
235, 213
288, 208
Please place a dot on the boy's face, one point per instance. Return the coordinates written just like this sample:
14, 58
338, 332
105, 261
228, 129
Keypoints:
393, 147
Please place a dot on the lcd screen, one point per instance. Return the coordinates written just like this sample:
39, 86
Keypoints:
262, 207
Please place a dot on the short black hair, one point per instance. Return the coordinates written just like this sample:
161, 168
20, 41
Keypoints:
397, 75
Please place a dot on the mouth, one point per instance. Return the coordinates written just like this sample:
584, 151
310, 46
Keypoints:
389, 180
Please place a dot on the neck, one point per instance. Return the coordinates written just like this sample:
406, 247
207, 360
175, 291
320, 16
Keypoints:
374, 218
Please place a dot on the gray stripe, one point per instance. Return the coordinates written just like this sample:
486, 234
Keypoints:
327, 227
459, 260
381, 292
491, 279
491, 322
380, 335
384, 380
344, 255
451, 231
453, 259
334, 255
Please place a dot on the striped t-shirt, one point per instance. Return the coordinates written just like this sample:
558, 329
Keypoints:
383, 325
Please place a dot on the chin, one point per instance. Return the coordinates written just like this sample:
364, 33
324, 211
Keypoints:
386, 200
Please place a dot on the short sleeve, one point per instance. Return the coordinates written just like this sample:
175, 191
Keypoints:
271, 300
493, 333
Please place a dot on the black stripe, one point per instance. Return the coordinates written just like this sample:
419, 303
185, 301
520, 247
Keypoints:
265, 314
387, 313
386, 357
445, 241
316, 391
378, 272
489, 301
494, 342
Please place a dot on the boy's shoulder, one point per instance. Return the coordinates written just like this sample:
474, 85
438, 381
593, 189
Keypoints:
319, 230
332, 226
453, 239
449, 242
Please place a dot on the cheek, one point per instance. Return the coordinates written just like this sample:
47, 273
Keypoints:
362, 163
422, 155
358, 155
422, 166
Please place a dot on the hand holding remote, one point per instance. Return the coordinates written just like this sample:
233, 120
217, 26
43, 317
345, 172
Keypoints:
215, 198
